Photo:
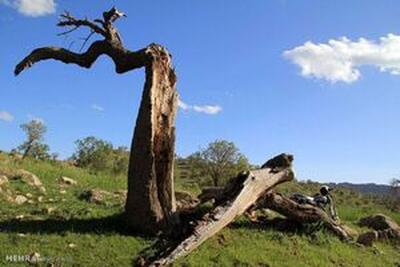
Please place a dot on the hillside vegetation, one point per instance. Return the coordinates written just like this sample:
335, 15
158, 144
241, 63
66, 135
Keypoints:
79, 224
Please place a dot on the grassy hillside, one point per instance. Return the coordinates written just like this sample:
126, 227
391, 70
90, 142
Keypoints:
63, 227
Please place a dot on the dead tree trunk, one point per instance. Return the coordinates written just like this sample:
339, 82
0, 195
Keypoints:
239, 195
151, 198
151, 201
303, 213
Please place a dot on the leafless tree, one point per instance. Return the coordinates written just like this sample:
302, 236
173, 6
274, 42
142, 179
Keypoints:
150, 203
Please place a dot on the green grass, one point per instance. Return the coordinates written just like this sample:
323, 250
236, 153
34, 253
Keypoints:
251, 247
100, 239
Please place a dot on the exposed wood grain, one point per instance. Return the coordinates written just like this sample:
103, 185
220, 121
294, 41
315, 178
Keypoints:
239, 197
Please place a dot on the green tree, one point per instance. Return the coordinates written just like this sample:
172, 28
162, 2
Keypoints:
395, 192
219, 161
99, 155
395, 183
34, 146
120, 160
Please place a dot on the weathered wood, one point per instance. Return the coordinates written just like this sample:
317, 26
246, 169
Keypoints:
240, 194
292, 210
304, 213
211, 193
150, 205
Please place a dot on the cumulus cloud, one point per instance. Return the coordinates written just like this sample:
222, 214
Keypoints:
32, 8
6, 116
340, 59
207, 109
97, 107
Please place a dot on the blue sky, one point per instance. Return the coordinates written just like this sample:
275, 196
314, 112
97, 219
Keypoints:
333, 102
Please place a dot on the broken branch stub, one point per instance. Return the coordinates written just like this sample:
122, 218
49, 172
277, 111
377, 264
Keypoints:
239, 194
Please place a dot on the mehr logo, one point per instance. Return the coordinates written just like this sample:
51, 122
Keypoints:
35, 258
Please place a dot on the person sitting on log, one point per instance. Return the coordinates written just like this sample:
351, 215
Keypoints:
321, 200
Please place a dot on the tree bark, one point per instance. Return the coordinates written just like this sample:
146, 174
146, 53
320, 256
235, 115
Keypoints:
303, 213
151, 201
239, 195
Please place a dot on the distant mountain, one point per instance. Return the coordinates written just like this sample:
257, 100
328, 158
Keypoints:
370, 188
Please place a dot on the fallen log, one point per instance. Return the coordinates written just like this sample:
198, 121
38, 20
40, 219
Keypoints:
211, 193
301, 213
238, 196
304, 213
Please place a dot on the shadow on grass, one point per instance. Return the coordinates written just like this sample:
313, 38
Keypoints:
115, 223
279, 224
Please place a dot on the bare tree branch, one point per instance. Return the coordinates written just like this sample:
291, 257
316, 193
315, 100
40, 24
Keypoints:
124, 60
111, 46
86, 40
69, 31
68, 20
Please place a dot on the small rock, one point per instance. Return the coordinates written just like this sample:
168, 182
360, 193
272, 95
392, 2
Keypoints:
29, 195
94, 196
368, 238
29, 177
30, 201
34, 258
377, 251
3, 180
121, 193
379, 222
63, 192
71, 245
42, 189
50, 210
21, 235
40, 199
67, 181
20, 199
50, 200
20, 217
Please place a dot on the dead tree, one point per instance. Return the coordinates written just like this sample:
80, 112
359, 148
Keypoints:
150, 202
300, 213
250, 190
238, 196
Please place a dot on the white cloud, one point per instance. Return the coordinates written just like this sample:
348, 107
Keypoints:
183, 105
32, 8
6, 116
338, 60
207, 109
97, 107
